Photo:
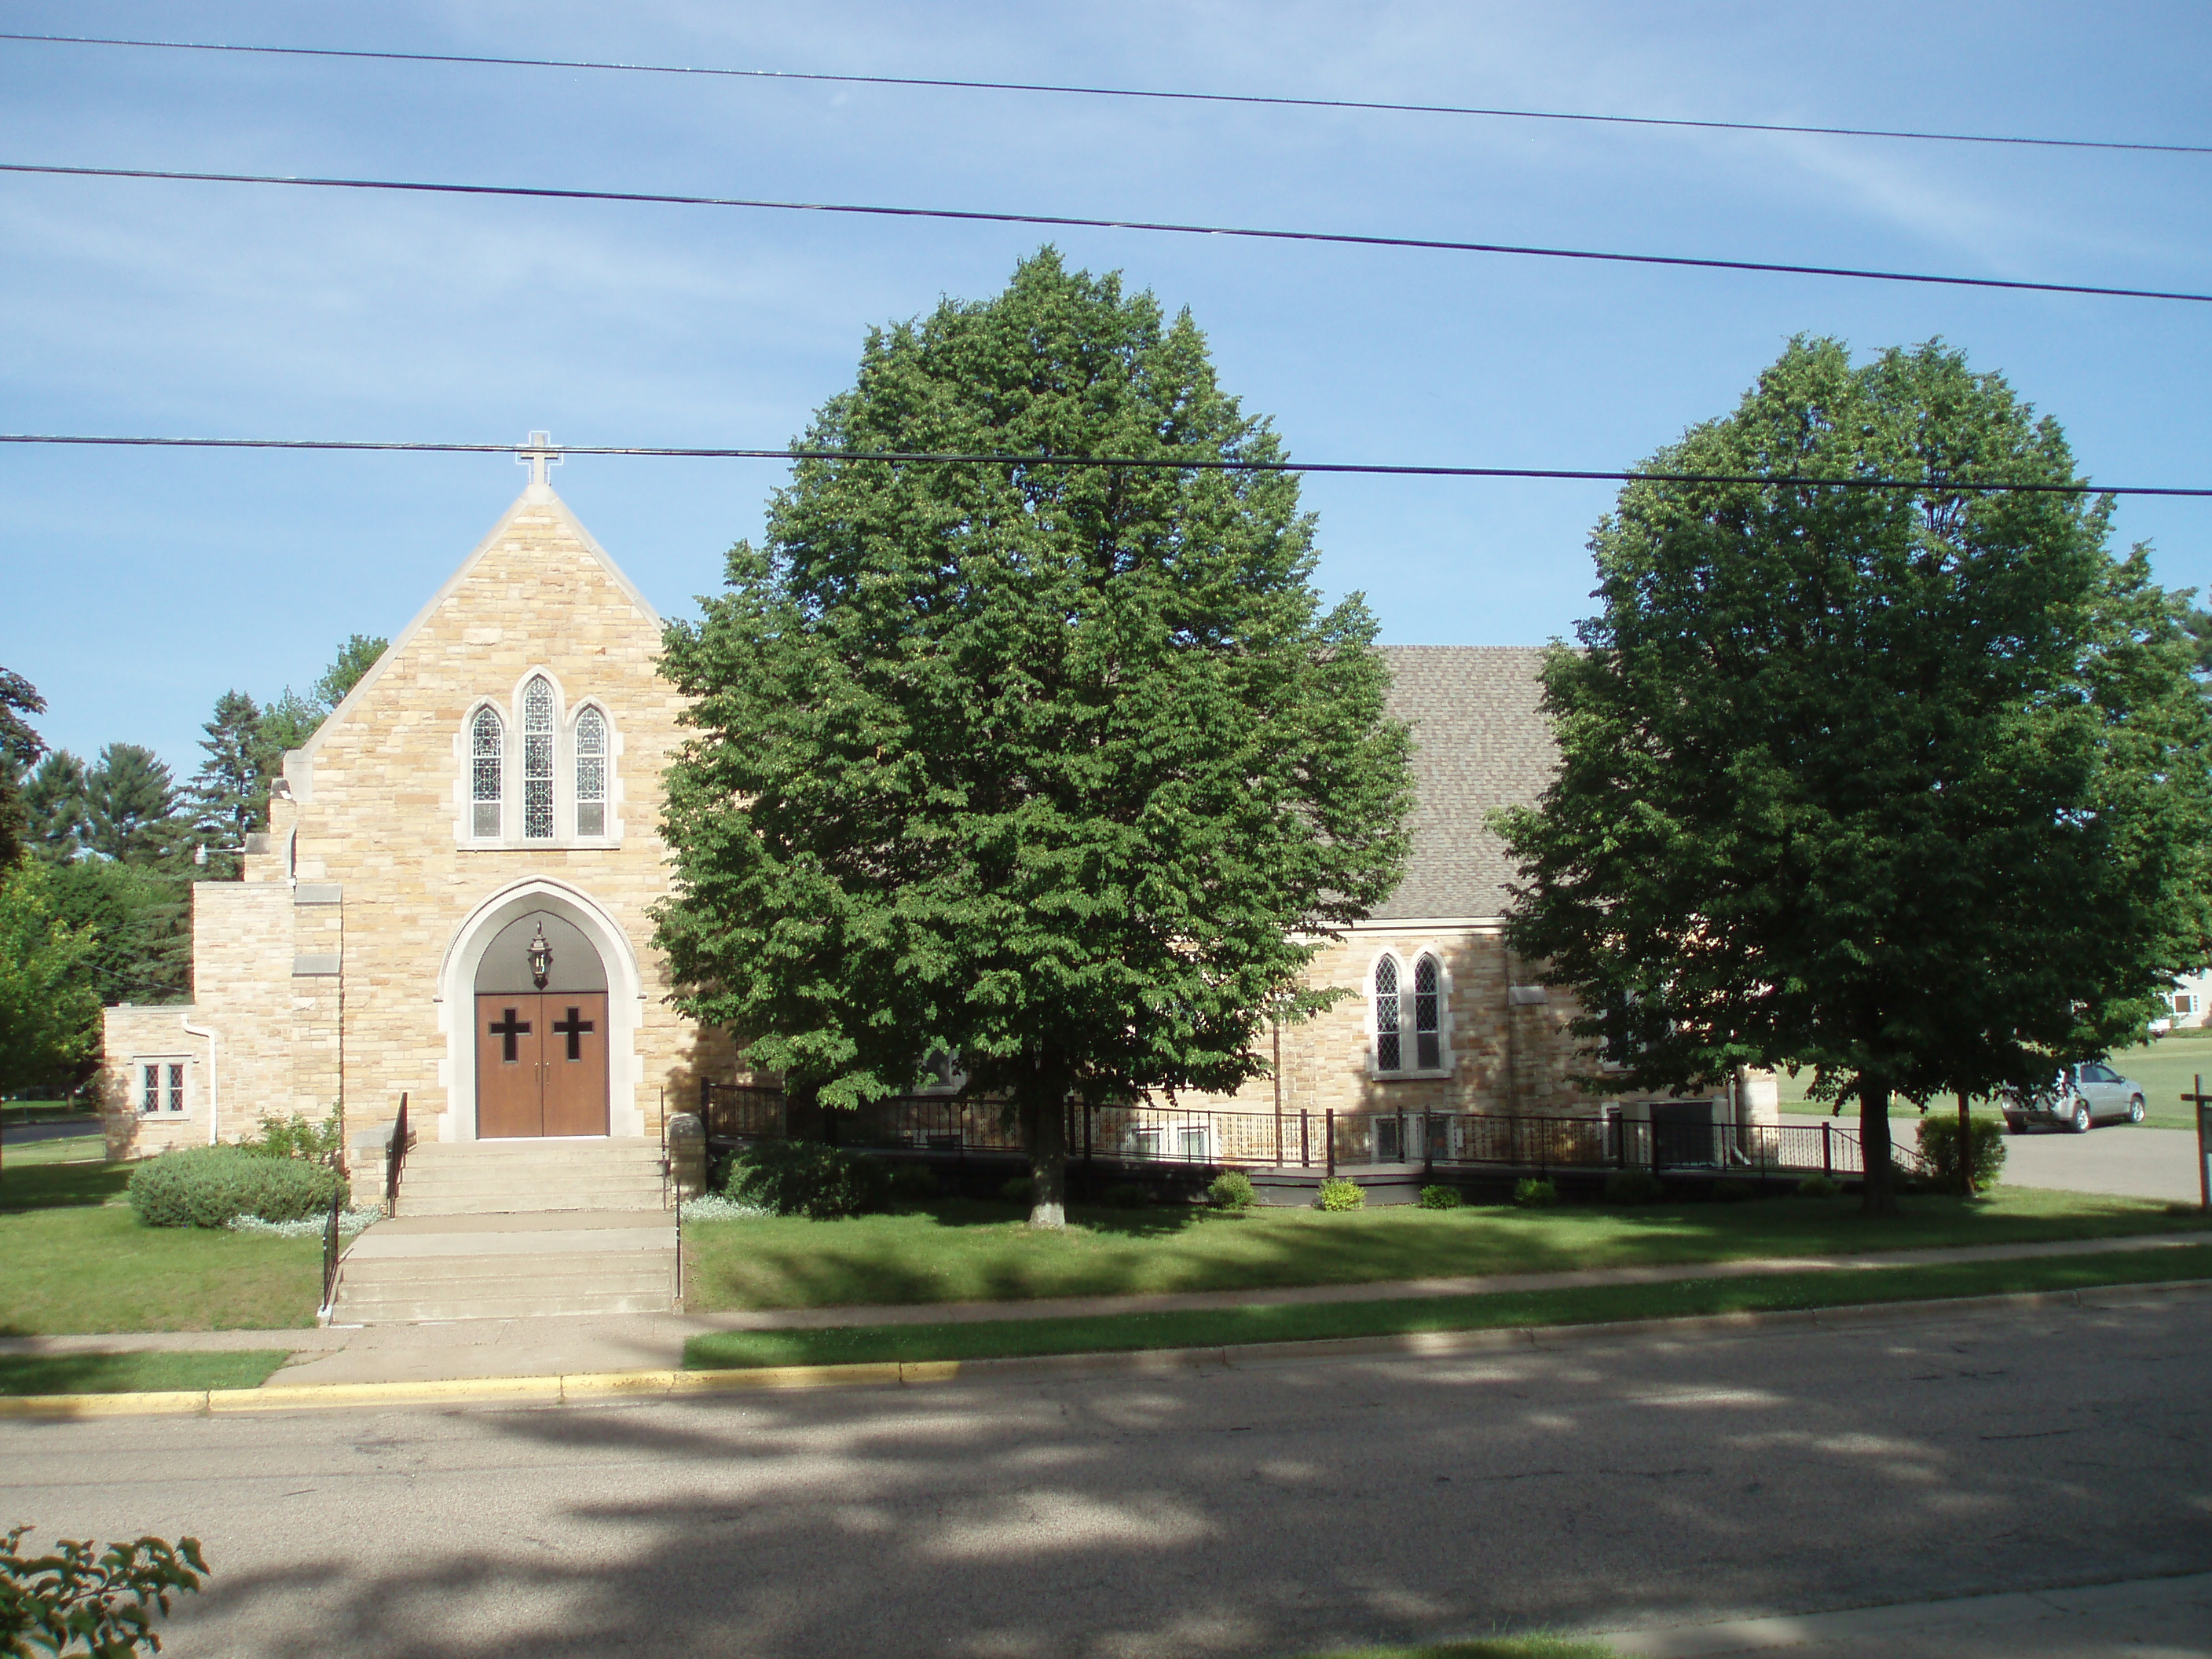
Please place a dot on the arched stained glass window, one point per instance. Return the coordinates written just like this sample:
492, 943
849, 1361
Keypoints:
1428, 998
590, 772
537, 759
486, 739
1388, 1057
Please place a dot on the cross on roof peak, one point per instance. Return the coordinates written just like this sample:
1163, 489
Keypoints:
537, 454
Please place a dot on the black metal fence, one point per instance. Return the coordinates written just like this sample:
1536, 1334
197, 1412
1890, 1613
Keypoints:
1326, 1141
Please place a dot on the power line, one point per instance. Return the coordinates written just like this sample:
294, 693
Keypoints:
1121, 92
1070, 221
1164, 463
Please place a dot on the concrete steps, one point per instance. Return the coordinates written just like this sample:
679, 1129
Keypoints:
509, 1267
522, 1177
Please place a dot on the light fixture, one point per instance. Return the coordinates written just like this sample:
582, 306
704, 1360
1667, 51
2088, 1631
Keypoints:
541, 958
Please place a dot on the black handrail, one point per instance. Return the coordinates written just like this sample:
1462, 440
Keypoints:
393, 1159
331, 1249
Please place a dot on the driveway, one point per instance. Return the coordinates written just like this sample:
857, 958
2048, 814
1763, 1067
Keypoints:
2116, 1159
1294, 1508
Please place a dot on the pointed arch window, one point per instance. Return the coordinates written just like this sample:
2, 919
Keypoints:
1390, 1056
537, 759
590, 772
487, 740
1428, 1001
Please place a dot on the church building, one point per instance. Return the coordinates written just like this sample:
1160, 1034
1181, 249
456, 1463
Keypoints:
453, 901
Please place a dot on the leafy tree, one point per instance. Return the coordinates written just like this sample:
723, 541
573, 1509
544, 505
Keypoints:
107, 1600
1909, 786
1067, 769
49, 1015
55, 807
355, 658
20, 746
132, 806
139, 922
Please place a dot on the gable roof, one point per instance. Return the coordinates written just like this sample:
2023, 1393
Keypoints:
536, 498
1480, 740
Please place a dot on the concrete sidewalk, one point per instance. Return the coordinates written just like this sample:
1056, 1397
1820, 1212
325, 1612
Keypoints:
570, 1345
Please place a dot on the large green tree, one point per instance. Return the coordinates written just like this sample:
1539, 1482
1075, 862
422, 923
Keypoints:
230, 792
1065, 769
133, 807
49, 1012
55, 810
1909, 786
20, 747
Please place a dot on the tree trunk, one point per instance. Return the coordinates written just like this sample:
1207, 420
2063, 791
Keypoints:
1879, 1186
1044, 1123
1965, 1147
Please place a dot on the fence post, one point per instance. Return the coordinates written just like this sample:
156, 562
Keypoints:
1305, 1141
1827, 1148
1328, 1130
1428, 1142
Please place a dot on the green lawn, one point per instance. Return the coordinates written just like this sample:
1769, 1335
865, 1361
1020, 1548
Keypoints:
1510, 1309
136, 1373
73, 1257
63, 1149
42, 1111
963, 1252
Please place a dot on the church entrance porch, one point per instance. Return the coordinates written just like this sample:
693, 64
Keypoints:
541, 1032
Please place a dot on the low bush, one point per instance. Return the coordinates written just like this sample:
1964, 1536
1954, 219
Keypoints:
296, 1136
808, 1178
1531, 1193
913, 1183
1938, 1145
1021, 1190
213, 1186
106, 1599
1128, 1195
1340, 1194
1633, 1186
1232, 1190
1440, 1198
1820, 1186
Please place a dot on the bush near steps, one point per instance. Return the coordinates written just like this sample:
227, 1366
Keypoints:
213, 1186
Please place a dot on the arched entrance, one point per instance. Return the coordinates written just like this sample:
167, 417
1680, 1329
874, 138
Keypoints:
541, 1031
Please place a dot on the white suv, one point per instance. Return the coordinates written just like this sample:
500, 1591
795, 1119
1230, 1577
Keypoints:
2077, 1098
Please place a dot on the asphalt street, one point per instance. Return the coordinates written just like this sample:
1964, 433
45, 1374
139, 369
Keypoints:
1600, 1483
2122, 1159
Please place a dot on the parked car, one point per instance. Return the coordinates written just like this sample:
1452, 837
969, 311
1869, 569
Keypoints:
2077, 1098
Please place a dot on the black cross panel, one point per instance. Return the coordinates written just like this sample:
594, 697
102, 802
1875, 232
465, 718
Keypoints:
508, 1028
574, 1029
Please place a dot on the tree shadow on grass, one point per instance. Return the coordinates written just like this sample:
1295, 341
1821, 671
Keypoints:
1287, 1510
60, 1186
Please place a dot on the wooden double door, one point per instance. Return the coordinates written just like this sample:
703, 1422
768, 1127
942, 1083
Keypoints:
540, 1064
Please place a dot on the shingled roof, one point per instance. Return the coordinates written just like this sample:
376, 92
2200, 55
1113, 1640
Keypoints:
1480, 740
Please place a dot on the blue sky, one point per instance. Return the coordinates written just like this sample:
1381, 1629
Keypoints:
140, 586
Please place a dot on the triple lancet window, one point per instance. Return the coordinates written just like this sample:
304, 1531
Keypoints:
1409, 1017
557, 786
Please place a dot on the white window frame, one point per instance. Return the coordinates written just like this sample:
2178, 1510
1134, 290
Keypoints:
514, 718
590, 708
1407, 967
177, 1096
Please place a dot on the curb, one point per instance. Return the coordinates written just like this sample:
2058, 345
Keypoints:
582, 1387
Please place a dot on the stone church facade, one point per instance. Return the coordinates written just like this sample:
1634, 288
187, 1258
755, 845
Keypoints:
453, 900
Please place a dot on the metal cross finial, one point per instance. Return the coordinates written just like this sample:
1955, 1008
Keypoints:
537, 454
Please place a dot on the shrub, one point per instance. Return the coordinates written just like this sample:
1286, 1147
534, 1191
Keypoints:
106, 1599
1440, 1198
1128, 1195
1021, 1190
913, 1183
1232, 1190
1338, 1194
1820, 1186
808, 1178
1633, 1186
213, 1186
1531, 1194
1938, 1145
295, 1137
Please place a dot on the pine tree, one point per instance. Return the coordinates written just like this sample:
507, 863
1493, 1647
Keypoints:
57, 815
230, 792
131, 803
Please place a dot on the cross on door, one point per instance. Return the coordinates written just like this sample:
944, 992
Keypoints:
574, 1029
508, 1028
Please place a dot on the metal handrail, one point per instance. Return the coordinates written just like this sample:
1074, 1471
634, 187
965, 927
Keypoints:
393, 1159
331, 1251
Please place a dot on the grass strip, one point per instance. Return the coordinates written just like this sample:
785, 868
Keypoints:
136, 1373
1505, 1309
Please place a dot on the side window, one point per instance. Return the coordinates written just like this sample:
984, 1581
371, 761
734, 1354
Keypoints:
1428, 1023
150, 1094
486, 758
161, 1087
590, 772
1390, 1056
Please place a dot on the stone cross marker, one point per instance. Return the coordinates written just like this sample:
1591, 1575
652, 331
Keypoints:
537, 454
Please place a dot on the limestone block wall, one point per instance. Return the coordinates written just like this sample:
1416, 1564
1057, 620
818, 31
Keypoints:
134, 1036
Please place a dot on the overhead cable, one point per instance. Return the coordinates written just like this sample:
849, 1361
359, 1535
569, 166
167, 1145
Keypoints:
1070, 221
1148, 463
1123, 92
